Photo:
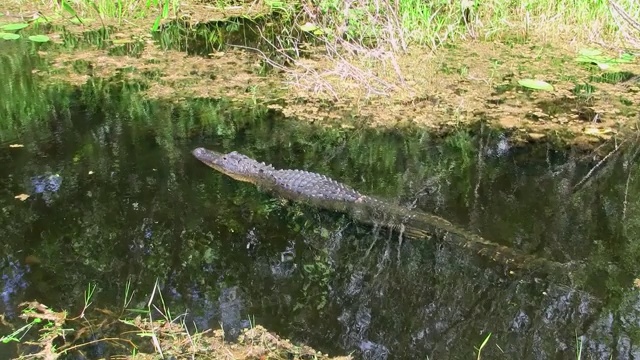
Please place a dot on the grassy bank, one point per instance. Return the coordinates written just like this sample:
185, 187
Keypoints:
399, 23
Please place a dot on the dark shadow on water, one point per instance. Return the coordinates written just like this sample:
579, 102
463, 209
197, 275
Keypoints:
115, 195
263, 35
565, 106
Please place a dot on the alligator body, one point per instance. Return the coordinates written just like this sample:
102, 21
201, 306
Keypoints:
322, 191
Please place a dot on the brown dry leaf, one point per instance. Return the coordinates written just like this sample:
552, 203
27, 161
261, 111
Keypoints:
21, 197
43, 312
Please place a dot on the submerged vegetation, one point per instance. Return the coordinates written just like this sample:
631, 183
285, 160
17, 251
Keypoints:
544, 68
114, 192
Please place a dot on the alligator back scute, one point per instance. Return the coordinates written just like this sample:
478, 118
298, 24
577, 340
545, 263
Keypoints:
246, 163
314, 185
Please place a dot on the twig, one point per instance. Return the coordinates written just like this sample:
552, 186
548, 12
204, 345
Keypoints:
623, 14
597, 166
626, 188
68, 349
616, 9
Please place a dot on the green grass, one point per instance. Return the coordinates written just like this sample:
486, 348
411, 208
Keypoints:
432, 22
484, 343
121, 9
413, 21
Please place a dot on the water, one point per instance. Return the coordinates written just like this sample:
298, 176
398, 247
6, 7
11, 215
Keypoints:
116, 196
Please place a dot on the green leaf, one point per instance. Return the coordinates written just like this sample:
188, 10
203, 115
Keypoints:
312, 28
9, 36
596, 57
165, 10
627, 57
14, 27
590, 52
80, 21
40, 20
156, 24
68, 8
308, 27
622, 60
535, 84
39, 38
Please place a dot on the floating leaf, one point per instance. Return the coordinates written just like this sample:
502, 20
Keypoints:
627, 57
590, 52
22, 197
591, 59
535, 84
596, 57
16, 146
9, 36
14, 27
39, 38
621, 60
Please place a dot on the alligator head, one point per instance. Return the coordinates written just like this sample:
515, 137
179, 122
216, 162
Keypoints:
234, 164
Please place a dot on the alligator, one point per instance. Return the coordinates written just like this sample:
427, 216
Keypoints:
321, 191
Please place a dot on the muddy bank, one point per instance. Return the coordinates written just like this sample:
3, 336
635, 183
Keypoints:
104, 334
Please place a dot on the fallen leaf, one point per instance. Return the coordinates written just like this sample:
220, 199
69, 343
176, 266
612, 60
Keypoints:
16, 146
21, 197
594, 131
536, 84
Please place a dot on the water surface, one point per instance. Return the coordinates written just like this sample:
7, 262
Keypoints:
116, 196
